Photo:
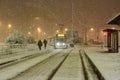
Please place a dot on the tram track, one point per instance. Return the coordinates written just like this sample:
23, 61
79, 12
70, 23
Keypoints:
44, 70
17, 64
71, 69
67, 64
56, 69
19, 59
91, 72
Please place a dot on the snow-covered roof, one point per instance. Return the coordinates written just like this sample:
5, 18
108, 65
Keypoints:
115, 20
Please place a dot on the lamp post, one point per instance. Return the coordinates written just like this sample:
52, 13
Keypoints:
72, 21
86, 35
39, 31
91, 34
9, 28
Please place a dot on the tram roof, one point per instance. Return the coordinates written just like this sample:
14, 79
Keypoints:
115, 20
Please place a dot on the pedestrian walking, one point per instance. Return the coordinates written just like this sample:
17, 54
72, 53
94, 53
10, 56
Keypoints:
45, 43
39, 44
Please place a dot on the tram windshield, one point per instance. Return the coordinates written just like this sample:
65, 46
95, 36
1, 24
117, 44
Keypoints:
62, 39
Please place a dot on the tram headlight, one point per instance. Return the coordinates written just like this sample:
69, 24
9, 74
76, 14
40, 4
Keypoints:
58, 44
63, 44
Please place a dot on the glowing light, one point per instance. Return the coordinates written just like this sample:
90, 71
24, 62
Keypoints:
44, 33
57, 31
113, 28
58, 44
66, 29
37, 18
39, 30
29, 33
91, 29
9, 25
61, 35
105, 33
63, 44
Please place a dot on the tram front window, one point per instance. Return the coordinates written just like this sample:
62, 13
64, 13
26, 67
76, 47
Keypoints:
60, 40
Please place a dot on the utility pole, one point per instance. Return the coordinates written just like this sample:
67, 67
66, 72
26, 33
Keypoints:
85, 35
72, 38
72, 9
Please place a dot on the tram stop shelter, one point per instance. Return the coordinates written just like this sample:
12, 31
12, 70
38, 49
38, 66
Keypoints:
112, 35
112, 40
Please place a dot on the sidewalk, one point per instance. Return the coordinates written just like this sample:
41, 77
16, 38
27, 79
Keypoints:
107, 63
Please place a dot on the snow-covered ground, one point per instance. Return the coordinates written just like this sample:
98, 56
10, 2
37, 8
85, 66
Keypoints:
71, 69
107, 63
9, 72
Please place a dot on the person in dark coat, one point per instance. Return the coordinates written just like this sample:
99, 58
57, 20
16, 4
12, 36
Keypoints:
39, 44
45, 43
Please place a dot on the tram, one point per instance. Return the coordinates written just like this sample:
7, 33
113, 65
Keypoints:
60, 41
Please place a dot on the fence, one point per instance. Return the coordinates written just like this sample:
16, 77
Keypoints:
14, 48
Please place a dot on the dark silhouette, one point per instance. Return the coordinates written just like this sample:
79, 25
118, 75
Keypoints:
45, 43
40, 44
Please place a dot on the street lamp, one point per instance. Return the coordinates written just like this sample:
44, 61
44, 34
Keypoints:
37, 18
57, 31
9, 25
39, 30
29, 33
91, 29
66, 29
9, 28
44, 33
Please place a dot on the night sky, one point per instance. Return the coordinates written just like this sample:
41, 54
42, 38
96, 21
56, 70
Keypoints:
27, 15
